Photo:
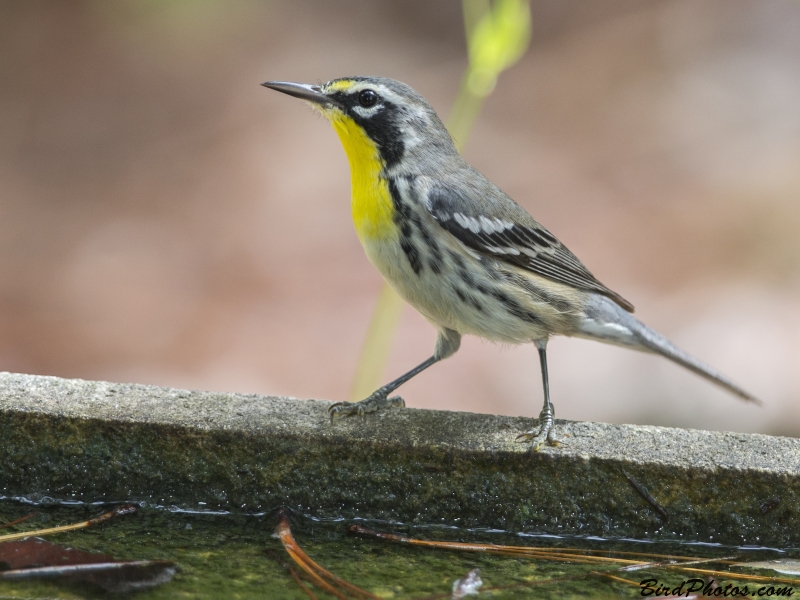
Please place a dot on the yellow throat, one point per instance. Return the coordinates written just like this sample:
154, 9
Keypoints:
371, 202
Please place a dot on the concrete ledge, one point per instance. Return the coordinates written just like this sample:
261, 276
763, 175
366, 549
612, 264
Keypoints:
96, 441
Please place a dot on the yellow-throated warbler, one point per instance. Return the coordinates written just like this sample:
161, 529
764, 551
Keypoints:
458, 249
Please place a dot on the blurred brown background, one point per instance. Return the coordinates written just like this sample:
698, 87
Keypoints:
166, 220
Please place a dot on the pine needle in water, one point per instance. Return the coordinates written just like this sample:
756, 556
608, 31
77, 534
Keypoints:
322, 577
125, 509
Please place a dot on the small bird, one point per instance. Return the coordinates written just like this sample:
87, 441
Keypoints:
459, 250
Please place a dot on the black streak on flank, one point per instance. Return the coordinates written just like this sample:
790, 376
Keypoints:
468, 298
435, 265
538, 294
401, 218
412, 254
466, 277
435, 261
456, 258
402, 212
513, 307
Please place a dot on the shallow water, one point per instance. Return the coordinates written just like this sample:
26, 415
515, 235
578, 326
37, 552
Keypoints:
239, 557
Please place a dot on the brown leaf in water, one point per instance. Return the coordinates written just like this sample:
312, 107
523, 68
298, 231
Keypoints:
35, 558
36, 552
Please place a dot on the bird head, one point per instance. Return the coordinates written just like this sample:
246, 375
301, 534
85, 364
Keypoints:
374, 111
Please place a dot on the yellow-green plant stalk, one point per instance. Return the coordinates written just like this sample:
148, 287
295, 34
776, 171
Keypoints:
498, 33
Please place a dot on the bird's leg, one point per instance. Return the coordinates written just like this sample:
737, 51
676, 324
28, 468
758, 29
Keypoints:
547, 416
447, 343
379, 398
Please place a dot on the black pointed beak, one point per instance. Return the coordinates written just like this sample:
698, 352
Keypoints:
312, 93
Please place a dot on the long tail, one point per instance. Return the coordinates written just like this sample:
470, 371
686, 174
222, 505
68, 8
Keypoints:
608, 322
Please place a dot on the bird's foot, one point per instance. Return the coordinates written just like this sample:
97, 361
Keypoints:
546, 431
378, 400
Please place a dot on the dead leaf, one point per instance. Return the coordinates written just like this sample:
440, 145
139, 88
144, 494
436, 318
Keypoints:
35, 558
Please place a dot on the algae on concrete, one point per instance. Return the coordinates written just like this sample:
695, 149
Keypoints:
97, 441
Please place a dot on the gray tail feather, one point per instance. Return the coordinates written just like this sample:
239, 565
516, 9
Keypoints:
655, 342
607, 321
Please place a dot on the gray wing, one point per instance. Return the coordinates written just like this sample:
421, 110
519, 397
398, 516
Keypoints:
504, 230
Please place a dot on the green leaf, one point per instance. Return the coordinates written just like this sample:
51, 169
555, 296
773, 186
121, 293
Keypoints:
496, 42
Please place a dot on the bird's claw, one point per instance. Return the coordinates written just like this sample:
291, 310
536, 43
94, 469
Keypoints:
546, 431
379, 400
537, 440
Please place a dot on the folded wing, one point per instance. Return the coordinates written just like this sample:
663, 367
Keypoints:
503, 230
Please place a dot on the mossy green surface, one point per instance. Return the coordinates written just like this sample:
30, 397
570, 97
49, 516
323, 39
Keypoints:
99, 461
237, 557
93, 441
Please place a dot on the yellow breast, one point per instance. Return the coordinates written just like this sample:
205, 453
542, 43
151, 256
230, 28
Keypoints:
371, 203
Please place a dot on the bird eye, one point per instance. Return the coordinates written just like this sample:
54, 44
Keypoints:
367, 98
